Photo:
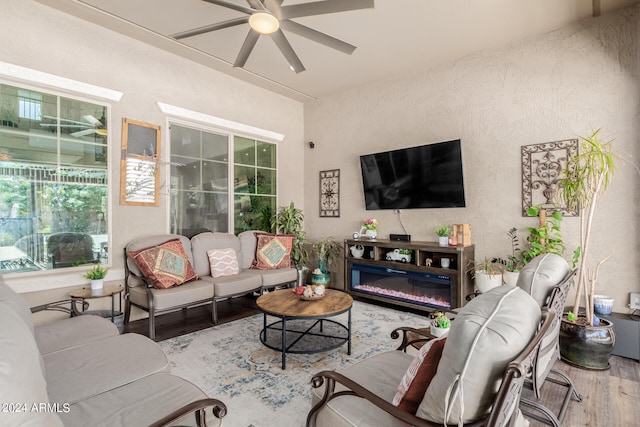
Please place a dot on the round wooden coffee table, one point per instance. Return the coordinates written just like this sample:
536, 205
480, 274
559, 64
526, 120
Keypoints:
315, 336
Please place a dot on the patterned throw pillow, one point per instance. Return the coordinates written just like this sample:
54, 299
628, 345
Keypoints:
166, 264
419, 375
223, 262
273, 251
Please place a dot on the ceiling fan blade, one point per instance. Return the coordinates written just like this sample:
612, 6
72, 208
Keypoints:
89, 118
273, 6
83, 132
65, 120
208, 28
323, 7
230, 5
288, 52
247, 47
317, 36
62, 125
257, 5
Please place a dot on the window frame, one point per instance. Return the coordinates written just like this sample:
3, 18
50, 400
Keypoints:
91, 96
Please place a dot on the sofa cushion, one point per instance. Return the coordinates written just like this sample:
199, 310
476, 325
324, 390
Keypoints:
273, 251
415, 381
22, 382
137, 404
188, 293
72, 332
202, 242
12, 299
223, 262
487, 334
541, 274
277, 277
248, 243
81, 372
167, 264
237, 284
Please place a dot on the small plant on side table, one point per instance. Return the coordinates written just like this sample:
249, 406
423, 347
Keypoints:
440, 324
97, 275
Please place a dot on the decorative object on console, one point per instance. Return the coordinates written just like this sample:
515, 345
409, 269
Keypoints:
463, 233
370, 228
443, 233
542, 166
445, 262
402, 255
400, 237
357, 251
330, 193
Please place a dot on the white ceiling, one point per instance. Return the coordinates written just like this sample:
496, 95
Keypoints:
395, 38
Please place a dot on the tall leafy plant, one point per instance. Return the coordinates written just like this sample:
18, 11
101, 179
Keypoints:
586, 177
289, 220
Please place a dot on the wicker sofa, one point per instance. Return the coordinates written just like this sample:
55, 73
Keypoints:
140, 291
80, 372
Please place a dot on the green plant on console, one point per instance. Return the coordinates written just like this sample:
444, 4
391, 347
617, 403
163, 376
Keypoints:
444, 231
96, 273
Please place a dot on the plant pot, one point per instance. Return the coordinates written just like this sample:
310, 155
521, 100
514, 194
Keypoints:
371, 234
587, 346
443, 241
602, 304
302, 276
510, 277
438, 332
97, 284
485, 281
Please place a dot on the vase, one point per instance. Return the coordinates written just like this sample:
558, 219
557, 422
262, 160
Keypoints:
486, 282
602, 304
97, 284
321, 279
443, 241
371, 234
510, 277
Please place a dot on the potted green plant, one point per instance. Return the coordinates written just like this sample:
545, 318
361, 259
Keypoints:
440, 324
327, 250
487, 274
512, 264
546, 238
289, 220
443, 232
586, 177
96, 275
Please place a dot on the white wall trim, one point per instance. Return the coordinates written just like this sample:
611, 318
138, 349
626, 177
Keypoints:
265, 135
23, 74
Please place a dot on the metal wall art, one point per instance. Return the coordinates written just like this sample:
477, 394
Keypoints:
542, 166
330, 193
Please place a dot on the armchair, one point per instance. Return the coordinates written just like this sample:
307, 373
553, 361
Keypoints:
478, 387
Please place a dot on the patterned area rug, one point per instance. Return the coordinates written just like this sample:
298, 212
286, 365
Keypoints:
230, 363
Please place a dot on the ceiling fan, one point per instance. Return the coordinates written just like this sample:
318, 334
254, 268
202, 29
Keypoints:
269, 17
88, 126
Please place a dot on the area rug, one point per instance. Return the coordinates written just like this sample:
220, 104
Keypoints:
228, 362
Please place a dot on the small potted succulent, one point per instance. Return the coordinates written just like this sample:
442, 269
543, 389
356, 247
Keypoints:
96, 275
443, 233
440, 324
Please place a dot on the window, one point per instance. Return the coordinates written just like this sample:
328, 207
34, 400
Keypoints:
210, 170
53, 181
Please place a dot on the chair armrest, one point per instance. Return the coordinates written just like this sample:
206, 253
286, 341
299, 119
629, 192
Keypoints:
198, 408
421, 336
59, 306
355, 389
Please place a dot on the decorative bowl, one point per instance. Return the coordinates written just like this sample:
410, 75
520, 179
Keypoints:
313, 298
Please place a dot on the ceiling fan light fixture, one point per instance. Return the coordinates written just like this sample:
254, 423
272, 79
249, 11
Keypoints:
264, 23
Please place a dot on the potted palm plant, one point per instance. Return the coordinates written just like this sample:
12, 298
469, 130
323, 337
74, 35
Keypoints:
288, 220
585, 178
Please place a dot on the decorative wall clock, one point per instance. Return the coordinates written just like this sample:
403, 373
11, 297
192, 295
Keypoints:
330, 193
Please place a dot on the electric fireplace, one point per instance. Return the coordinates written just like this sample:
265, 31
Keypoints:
413, 287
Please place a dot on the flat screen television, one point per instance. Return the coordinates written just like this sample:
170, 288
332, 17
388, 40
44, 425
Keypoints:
427, 176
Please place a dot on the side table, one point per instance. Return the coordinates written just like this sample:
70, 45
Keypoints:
83, 294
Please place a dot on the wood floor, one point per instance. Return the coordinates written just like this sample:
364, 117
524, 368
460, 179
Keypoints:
609, 398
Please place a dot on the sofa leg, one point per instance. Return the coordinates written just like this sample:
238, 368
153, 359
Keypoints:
214, 313
152, 326
127, 310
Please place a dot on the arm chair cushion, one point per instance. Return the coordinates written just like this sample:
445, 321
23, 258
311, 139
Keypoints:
223, 262
488, 333
419, 375
541, 274
273, 251
167, 264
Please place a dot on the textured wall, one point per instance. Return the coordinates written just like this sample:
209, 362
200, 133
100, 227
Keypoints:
38, 37
548, 88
